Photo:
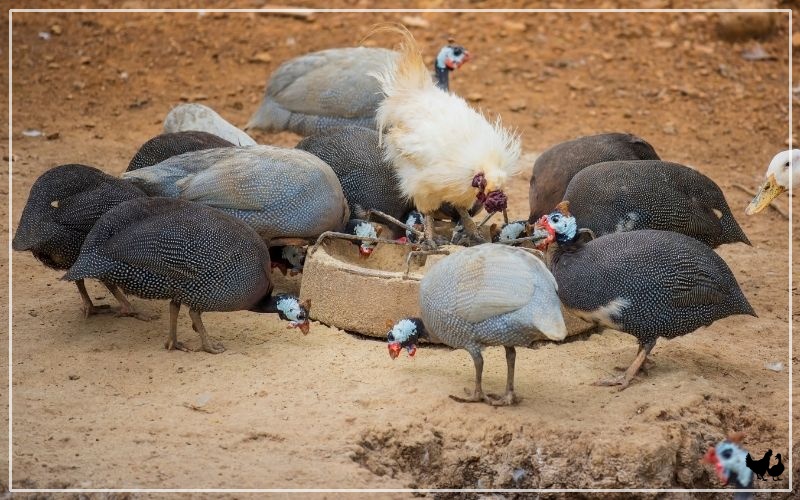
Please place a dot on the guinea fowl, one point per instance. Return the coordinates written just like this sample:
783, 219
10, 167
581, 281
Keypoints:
63, 205
482, 296
193, 116
281, 193
193, 255
330, 88
167, 145
645, 283
783, 171
650, 194
368, 182
729, 461
442, 149
554, 168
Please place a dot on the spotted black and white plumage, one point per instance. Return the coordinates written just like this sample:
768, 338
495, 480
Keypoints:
490, 295
167, 145
414, 220
62, 207
649, 194
555, 167
368, 181
281, 193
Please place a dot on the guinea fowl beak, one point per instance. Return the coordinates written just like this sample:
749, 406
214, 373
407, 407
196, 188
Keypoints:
768, 192
304, 327
394, 349
364, 252
543, 225
711, 458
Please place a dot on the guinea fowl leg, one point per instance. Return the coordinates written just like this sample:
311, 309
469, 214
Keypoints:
510, 398
213, 348
172, 342
88, 308
477, 394
470, 227
625, 379
125, 307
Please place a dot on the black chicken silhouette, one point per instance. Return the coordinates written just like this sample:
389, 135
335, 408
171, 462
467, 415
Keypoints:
776, 470
759, 467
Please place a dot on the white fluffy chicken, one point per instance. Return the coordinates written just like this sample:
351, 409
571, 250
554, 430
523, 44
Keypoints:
442, 149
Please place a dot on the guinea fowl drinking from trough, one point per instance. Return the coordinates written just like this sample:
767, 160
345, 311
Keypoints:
191, 254
621, 196
63, 205
783, 171
646, 283
481, 296
554, 168
442, 150
167, 145
333, 87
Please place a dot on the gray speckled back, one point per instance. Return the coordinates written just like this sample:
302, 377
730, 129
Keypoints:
159, 248
279, 192
490, 295
167, 145
354, 153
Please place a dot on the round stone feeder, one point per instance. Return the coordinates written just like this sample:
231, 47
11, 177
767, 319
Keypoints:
366, 295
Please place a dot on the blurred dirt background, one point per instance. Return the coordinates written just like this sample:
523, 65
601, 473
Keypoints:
100, 404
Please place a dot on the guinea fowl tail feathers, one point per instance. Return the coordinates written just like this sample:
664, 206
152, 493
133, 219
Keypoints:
408, 72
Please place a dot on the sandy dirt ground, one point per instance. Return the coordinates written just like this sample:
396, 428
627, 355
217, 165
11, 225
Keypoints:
99, 403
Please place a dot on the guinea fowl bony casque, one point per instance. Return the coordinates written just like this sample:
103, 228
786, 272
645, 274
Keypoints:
487, 295
188, 253
442, 150
193, 116
621, 196
645, 283
280, 192
555, 167
63, 205
167, 145
331, 88
783, 172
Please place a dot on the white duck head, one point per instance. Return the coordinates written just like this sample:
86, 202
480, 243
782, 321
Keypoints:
783, 171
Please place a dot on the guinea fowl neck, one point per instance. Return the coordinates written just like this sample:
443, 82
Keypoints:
442, 77
268, 304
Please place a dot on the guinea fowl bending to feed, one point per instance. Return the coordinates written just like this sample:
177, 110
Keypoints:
193, 255
783, 171
164, 146
330, 88
442, 149
281, 193
63, 205
730, 464
192, 116
621, 196
482, 296
646, 283
368, 182
555, 167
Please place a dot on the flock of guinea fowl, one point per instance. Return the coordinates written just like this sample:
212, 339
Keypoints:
203, 214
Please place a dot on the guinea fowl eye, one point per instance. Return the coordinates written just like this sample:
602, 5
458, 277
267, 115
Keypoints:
457, 51
390, 337
727, 454
556, 218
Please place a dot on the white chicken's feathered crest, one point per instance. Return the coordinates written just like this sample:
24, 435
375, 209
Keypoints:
435, 140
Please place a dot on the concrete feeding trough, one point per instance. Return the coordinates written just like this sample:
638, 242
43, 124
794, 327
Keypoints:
363, 295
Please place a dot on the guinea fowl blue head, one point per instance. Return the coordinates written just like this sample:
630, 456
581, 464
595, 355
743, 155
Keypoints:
560, 224
290, 309
363, 229
405, 334
449, 58
730, 462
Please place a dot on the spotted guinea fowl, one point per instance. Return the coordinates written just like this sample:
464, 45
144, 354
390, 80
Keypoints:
190, 254
193, 116
555, 167
485, 295
167, 145
281, 193
650, 194
443, 150
730, 464
647, 283
332, 87
63, 205
783, 171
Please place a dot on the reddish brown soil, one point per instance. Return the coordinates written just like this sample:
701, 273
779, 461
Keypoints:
100, 403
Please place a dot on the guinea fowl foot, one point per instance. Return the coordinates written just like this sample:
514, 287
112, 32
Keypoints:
509, 399
621, 381
130, 313
476, 397
213, 347
175, 346
91, 310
